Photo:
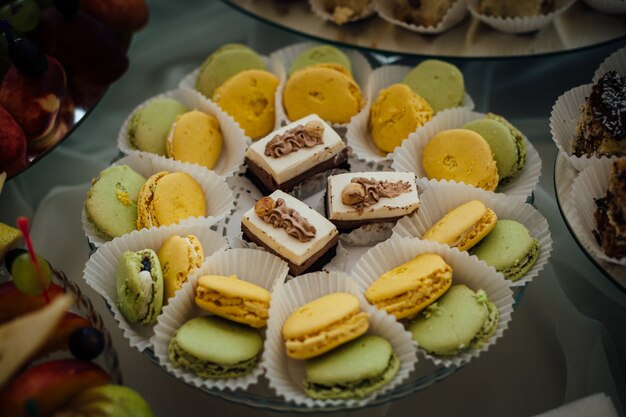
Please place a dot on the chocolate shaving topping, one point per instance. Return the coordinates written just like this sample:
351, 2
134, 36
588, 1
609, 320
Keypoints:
375, 190
608, 99
289, 219
293, 140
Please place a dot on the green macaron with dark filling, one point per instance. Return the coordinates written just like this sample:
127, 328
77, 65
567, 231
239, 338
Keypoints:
458, 321
509, 248
353, 370
139, 283
213, 347
506, 143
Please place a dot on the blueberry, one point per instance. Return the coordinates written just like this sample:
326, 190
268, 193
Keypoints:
86, 343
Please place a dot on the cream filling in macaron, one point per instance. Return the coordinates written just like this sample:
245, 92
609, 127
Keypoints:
145, 286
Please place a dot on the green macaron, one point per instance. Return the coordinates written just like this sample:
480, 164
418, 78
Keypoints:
353, 370
139, 284
322, 54
149, 126
460, 320
111, 202
213, 347
229, 60
509, 248
440, 83
506, 143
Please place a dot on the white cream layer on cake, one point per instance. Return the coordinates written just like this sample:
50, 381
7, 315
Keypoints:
289, 166
277, 238
401, 205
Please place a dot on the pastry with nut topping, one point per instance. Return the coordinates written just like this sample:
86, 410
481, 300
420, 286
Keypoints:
294, 153
359, 198
287, 227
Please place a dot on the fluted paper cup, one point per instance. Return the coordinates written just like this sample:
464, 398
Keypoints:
617, 60
455, 14
234, 144
465, 270
358, 135
286, 375
219, 198
361, 70
99, 272
517, 25
607, 6
408, 156
592, 183
260, 268
317, 6
439, 200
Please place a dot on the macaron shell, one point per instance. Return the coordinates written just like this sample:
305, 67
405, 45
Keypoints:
396, 112
249, 98
111, 202
225, 63
452, 326
319, 55
179, 256
195, 137
461, 155
508, 248
441, 84
519, 165
324, 91
150, 125
217, 340
501, 142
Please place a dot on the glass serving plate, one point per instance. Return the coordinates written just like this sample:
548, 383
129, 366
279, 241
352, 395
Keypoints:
577, 28
564, 176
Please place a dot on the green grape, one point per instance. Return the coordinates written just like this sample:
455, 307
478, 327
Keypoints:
23, 15
25, 276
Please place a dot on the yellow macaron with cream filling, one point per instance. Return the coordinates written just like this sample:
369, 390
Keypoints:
195, 137
234, 299
323, 324
179, 257
411, 287
463, 226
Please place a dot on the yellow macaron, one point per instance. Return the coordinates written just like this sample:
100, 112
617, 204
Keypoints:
179, 257
461, 155
463, 226
195, 137
169, 197
323, 324
411, 287
234, 299
327, 90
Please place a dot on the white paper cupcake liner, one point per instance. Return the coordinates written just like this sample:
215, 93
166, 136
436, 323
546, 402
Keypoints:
358, 134
616, 61
219, 198
465, 270
189, 81
235, 142
286, 375
317, 6
607, 6
518, 25
454, 15
590, 184
100, 269
260, 268
437, 201
408, 156
563, 119
361, 70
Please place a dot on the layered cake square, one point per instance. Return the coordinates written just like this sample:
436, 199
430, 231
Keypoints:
289, 228
359, 198
609, 215
293, 153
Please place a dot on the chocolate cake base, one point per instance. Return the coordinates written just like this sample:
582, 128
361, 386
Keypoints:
612, 242
264, 181
315, 263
